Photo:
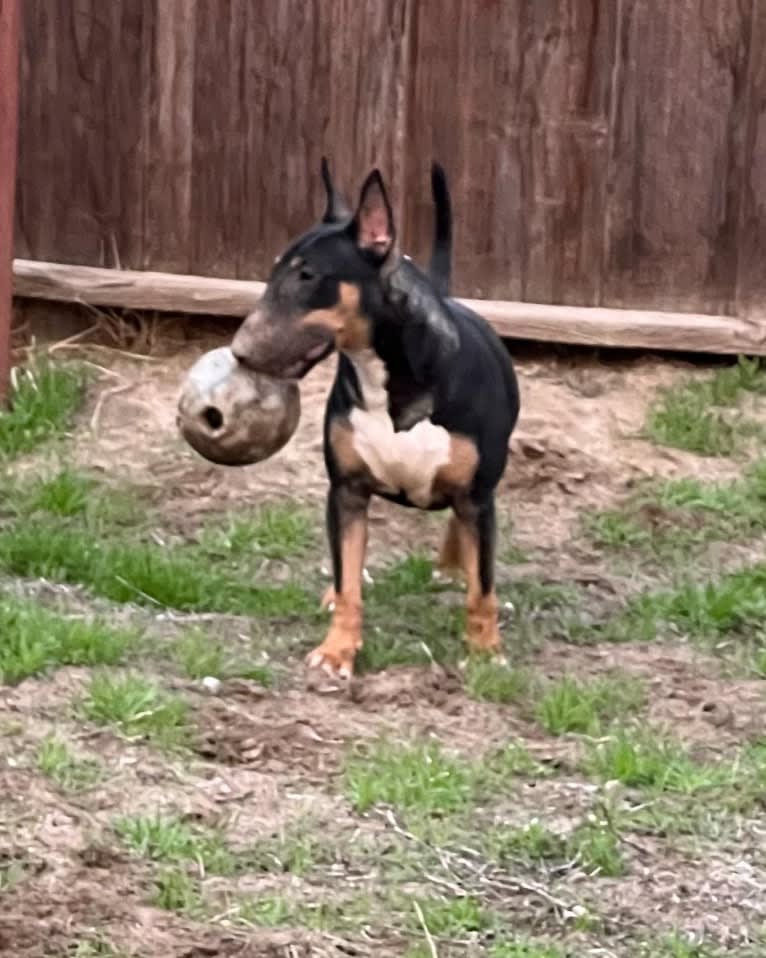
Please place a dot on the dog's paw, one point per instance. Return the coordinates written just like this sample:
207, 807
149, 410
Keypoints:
331, 660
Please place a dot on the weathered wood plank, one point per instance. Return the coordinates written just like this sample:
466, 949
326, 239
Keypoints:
686, 332
9, 88
80, 180
39, 112
286, 87
321, 76
218, 154
514, 100
676, 154
168, 227
368, 94
751, 239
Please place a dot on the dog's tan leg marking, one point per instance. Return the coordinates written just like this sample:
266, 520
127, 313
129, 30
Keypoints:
450, 560
336, 654
481, 631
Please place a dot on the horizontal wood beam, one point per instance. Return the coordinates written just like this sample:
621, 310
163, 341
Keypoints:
575, 325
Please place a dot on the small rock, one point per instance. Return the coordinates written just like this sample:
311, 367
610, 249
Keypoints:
211, 684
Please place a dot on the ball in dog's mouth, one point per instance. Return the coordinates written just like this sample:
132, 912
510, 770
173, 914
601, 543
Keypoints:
233, 416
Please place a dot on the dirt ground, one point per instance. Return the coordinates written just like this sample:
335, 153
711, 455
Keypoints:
575, 445
264, 759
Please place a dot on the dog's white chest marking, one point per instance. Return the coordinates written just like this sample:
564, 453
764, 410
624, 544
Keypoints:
402, 462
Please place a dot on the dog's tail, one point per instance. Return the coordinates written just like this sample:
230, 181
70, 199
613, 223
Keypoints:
440, 267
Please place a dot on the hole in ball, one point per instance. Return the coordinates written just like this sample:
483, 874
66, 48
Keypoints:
213, 417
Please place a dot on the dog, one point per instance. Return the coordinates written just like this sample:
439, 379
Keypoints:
422, 408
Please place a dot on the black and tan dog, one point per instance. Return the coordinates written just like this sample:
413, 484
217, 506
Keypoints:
423, 404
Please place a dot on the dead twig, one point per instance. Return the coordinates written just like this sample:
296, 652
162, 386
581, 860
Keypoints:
429, 937
107, 394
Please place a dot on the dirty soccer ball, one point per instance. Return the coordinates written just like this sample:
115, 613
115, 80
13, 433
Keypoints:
232, 416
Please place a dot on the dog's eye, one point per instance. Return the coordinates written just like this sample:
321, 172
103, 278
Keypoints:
306, 274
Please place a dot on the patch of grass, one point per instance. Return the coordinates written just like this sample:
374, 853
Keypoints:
412, 575
273, 532
410, 631
425, 784
136, 707
97, 948
530, 843
526, 948
43, 404
71, 494
295, 851
453, 917
736, 602
490, 682
65, 494
421, 779
35, 639
413, 621
55, 759
410, 623
12, 871
668, 515
143, 573
613, 529
677, 945
692, 415
643, 759
267, 911
176, 890
597, 847
276, 911
513, 759
171, 839
569, 705
199, 655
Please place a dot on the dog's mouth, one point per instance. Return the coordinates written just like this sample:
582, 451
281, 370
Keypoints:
301, 367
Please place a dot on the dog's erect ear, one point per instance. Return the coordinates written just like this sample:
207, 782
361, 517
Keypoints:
337, 210
373, 223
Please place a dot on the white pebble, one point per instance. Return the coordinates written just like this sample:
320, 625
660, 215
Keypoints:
211, 684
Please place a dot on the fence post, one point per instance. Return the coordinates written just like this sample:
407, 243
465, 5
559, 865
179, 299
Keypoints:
9, 59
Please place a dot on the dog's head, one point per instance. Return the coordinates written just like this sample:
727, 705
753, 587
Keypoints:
315, 298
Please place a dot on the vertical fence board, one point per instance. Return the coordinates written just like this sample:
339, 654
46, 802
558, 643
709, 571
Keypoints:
80, 183
286, 90
9, 88
39, 108
751, 241
514, 99
368, 93
323, 76
676, 163
168, 228
219, 144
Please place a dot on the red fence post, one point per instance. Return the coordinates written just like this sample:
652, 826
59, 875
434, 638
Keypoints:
9, 60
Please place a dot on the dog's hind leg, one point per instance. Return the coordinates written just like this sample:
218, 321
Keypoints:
475, 532
347, 532
450, 559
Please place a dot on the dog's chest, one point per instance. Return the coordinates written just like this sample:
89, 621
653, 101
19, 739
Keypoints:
401, 462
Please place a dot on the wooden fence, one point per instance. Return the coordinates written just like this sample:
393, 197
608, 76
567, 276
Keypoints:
600, 152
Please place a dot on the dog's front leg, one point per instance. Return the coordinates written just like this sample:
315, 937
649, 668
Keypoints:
347, 533
473, 532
